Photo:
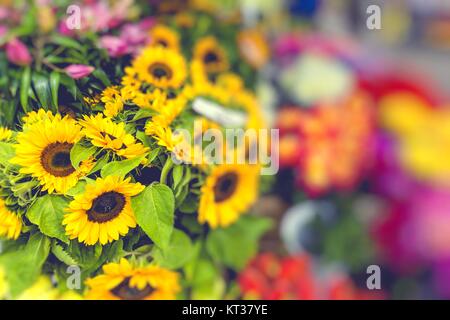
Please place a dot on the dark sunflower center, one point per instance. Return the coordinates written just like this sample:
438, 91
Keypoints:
159, 70
171, 95
66, 111
55, 159
106, 207
211, 57
125, 292
225, 187
162, 42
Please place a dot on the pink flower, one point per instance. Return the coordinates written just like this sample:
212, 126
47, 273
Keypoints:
287, 46
64, 30
115, 46
3, 31
147, 23
133, 34
78, 71
17, 52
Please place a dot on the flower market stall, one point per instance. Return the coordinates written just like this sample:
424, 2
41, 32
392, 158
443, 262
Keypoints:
279, 150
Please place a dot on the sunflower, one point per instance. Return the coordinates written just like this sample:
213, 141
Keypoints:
103, 211
229, 191
211, 54
5, 134
164, 36
230, 81
105, 133
123, 281
10, 223
161, 67
198, 72
43, 151
248, 101
37, 116
113, 101
184, 20
155, 99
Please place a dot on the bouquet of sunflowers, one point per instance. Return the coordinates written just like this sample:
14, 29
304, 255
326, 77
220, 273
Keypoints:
107, 188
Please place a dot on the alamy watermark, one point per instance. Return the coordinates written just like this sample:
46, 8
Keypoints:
373, 21
373, 282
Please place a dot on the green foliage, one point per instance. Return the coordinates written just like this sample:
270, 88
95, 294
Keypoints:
120, 168
178, 252
47, 213
235, 245
348, 241
6, 153
154, 210
23, 265
79, 153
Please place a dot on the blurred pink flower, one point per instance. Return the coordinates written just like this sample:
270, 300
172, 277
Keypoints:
98, 16
287, 46
17, 52
78, 71
147, 23
133, 34
115, 46
64, 30
4, 13
3, 31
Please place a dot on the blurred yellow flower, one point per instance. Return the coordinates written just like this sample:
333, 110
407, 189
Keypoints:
423, 133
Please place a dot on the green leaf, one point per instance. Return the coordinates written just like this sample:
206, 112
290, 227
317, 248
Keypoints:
101, 75
66, 42
79, 153
207, 282
24, 88
47, 213
178, 253
121, 168
6, 152
23, 266
42, 88
99, 164
235, 245
177, 174
153, 154
143, 113
154, 210
77, 189
189, 205
70, 84
54, 86
62, 254
143, 138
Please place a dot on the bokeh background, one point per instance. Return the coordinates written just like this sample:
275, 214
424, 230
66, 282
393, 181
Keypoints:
364, 135
364, 123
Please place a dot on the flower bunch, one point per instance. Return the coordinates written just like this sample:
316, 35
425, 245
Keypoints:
107, 185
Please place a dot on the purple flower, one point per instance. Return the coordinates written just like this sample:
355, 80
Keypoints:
78, 71
17, 52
